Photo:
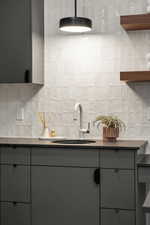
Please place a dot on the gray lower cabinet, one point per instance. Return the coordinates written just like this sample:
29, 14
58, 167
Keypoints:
15, 183
117, 189
15, 214
15, 155
122, 159
69, 187
117, 217
64, 195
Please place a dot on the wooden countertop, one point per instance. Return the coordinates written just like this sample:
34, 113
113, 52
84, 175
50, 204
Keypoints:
120, 144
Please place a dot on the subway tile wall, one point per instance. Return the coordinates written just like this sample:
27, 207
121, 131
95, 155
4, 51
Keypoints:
84, 68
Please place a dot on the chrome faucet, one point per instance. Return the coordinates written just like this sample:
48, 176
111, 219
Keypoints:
82, 131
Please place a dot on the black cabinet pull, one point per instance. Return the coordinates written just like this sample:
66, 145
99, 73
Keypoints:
27, 76
116, 170
117, 211
14, 165
14, 203
97, 176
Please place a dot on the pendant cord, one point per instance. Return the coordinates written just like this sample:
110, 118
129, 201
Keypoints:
75, 7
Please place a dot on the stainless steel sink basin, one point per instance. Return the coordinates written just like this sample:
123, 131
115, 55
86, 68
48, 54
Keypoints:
74, 141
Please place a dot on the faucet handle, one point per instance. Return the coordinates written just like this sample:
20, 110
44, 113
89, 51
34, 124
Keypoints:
89, 127
86, 131
75, 116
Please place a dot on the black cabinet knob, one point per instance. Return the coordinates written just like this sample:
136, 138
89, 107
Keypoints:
116, 170
14, 165
14, 203
117, 211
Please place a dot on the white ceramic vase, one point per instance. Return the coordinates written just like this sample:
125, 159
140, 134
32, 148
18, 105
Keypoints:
45, 133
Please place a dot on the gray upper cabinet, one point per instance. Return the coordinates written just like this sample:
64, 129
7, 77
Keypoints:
21, 41
64, 195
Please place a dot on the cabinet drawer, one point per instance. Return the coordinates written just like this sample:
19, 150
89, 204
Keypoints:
15, 214
117, 217
15, 183
144, 174
15, 155
62, 157
123, 159
117, 189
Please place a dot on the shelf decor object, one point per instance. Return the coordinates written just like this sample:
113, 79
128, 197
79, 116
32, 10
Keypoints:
44, 121
75, 24
148, 6
135, 76
148, 60
135, 22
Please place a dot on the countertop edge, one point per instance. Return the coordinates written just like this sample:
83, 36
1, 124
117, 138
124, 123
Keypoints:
35, 142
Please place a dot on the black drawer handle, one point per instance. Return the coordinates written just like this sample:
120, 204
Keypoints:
117, 211
116, 170
97, 176
14, 165
14, 203
27, 76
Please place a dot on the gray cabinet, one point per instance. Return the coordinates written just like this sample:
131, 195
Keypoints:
64, 195
15, 155
15, 207
69, 186
15, 183
15, 214
21, 41
65, 157
117, 217
122, 159
117, 189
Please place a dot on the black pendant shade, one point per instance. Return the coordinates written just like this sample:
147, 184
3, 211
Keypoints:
75, 24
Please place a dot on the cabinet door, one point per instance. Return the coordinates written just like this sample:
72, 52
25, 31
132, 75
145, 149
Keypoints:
15, 214
15, 155
117, 189
64, 195
117, 217
15, 183
14, 41
122, 159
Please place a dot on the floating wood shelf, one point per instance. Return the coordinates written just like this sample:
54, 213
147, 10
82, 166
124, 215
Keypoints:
137, 76
136, 22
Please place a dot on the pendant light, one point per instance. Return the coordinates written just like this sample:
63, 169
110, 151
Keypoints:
75, 24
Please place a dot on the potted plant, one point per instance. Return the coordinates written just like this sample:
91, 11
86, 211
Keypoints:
112, 125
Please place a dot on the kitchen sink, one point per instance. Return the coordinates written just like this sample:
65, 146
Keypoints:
74, 141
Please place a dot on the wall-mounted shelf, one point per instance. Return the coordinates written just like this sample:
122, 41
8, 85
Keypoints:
137, 76
135, 22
